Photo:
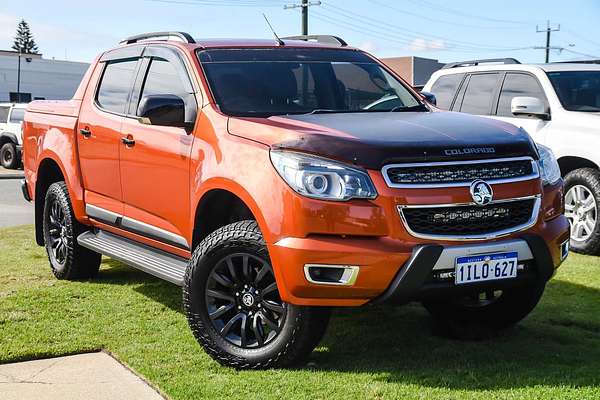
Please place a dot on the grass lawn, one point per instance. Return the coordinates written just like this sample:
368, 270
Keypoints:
372, 352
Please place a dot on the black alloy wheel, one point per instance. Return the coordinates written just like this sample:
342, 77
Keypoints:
57, 233
68, 259
233, 306
243, 302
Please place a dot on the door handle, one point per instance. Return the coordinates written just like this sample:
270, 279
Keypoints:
85, 132
128, 141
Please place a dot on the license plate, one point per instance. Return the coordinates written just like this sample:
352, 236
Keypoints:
486, 267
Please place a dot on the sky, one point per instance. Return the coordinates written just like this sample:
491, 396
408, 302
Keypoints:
443, 30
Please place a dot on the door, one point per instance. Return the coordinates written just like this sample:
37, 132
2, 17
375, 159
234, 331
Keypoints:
155, 161
522, 85
99, 137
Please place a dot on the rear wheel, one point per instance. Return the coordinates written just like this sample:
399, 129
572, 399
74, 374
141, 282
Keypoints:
582, 198
8, 156
233, 305
68, 259
484, 314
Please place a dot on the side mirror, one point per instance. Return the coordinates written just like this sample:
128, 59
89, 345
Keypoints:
430, 97
529, 106
162, 110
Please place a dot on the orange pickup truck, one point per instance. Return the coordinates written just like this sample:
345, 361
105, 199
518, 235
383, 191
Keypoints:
274, 180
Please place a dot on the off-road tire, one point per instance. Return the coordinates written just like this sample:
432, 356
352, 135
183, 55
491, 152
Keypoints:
455, 320
590, 178
8, 156
79, 262
302, 328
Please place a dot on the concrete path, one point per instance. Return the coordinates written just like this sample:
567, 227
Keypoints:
14, 209
92, 376
11, 173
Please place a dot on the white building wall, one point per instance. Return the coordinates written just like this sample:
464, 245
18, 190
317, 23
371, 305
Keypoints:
50, 79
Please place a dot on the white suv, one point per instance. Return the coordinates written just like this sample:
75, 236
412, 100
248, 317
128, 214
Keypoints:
558, 104
11, 118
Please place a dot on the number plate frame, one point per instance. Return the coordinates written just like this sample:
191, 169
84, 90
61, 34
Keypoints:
472, 269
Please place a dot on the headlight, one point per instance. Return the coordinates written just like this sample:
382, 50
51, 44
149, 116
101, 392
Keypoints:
549, 168
321, 178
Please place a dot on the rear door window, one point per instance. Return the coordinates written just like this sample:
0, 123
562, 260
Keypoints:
445, 89
4, 114
17, 115
517, 85
479, 93
114, 89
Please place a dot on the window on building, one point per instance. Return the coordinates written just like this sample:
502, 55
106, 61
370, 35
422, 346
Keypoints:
478, 96
115, 86
445, 89
517, 85
19, 97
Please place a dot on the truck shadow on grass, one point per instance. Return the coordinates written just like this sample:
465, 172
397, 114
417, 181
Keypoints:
557, 345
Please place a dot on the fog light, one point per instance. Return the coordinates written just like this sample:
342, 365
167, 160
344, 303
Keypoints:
344, 275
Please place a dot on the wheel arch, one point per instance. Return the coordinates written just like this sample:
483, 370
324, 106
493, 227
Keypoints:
49, 171
570, 163
220, 204
8, 137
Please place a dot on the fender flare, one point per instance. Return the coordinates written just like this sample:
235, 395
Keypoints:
10, 136
233, 187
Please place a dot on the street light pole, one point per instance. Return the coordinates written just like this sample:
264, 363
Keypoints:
19, 79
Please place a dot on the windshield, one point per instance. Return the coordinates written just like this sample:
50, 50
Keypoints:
577, 90
264, 82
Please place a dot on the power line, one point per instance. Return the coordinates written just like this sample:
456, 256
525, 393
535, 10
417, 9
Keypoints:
406, 33
582, 37
441, 21
548, 31
374, 31
224, 3
450, 10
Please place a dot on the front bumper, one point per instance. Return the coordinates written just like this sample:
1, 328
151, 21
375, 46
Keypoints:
399, 271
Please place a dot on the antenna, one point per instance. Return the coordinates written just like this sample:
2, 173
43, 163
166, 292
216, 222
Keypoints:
279, 41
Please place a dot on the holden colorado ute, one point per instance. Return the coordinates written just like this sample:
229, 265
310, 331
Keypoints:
270, 182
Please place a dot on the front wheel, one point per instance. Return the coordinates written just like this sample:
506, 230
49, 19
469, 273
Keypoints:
233, 306
582, 198
483, 315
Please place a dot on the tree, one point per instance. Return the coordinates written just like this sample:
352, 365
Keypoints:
24, 39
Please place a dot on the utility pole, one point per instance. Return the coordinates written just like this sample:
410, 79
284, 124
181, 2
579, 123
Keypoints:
304, 6
548, 30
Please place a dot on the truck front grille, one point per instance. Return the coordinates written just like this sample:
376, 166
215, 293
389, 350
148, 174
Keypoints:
460, 173
470, 221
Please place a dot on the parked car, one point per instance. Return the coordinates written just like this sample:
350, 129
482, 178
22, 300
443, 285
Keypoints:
252, 173
558, 104
11, 118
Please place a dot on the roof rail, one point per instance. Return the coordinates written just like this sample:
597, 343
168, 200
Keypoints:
482, 61
327, 39
184, 37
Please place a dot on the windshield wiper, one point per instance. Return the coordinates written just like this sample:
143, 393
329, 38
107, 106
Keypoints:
418, 107
326, 111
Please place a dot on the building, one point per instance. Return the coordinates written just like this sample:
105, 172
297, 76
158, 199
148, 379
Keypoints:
414, 70
40, 78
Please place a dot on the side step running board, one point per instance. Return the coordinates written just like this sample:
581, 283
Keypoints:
153, 261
